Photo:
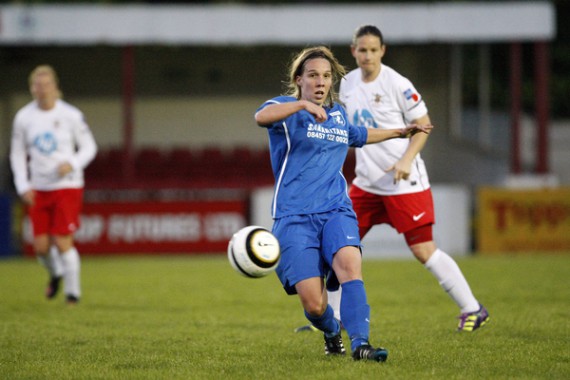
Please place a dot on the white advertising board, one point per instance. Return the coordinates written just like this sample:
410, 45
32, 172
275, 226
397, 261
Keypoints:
451, 231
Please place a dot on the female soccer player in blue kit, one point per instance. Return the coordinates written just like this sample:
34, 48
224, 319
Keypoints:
309, 137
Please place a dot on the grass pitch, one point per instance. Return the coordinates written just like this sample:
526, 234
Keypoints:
180, 317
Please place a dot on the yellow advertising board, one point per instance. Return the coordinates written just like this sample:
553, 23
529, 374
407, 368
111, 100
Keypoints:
512, 220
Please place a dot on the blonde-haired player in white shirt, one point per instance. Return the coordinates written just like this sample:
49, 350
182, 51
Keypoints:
391, 184
51, 145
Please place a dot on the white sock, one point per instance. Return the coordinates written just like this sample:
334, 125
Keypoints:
52, 262
56, 261
71, 269
334, 301
449, 276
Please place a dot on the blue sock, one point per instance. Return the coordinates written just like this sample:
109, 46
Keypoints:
355, 312
325, 322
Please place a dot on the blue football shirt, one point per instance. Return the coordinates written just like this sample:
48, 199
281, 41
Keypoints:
307, 159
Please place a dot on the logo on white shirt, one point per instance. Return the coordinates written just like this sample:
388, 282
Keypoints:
364, 118
45, 143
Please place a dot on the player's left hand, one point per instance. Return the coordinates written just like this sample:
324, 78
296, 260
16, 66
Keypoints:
412, 129
401, 170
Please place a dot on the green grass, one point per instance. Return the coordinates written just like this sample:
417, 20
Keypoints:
175, 317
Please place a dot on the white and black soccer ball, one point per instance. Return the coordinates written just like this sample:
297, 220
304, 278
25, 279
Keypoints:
254, 251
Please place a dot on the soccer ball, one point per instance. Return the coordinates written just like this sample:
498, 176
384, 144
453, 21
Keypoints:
254, 252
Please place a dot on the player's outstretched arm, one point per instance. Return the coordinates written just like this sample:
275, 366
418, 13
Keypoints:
275, 112
379, 135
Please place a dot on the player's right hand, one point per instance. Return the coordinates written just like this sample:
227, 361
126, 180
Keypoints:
29, 197
412, 129
317, 111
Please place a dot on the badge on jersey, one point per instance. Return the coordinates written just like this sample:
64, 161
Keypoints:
411, 95
338, 118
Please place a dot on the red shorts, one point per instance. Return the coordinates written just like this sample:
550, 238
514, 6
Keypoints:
56, 212
404, 212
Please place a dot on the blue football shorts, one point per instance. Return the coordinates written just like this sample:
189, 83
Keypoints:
309, 242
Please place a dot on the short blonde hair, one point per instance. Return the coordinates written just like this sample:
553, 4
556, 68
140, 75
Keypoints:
297, 67
45, 70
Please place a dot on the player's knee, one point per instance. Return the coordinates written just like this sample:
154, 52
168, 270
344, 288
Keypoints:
347, 268
349, 274
314, 308
423, 251
63, 242
41, 246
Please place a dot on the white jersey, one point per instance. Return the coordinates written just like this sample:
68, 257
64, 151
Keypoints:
388, 102
42, 140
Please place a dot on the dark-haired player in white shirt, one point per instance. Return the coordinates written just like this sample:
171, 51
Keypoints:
391, 184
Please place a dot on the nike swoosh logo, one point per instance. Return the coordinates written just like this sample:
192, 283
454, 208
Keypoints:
418, 217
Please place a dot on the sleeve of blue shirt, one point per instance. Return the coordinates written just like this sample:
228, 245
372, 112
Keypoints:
277, 100
357, 136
